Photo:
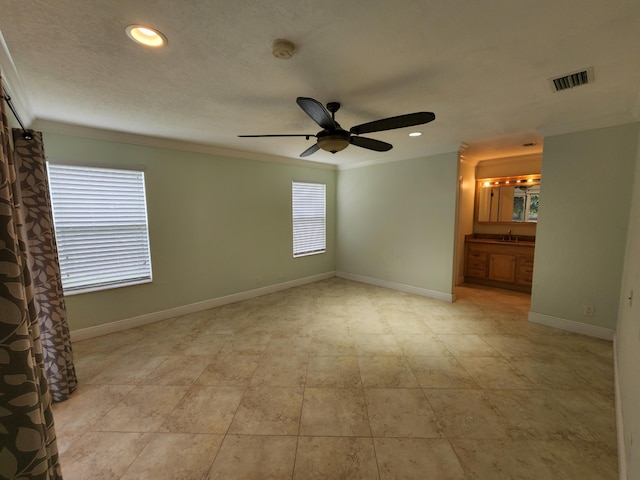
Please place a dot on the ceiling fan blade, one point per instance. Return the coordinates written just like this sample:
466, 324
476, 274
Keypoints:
312, 149
308, 135
317, 112
371, 144
391, 123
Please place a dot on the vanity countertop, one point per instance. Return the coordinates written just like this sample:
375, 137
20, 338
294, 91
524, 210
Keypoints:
501, 239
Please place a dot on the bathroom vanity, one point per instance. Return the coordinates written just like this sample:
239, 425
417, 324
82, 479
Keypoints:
500, 261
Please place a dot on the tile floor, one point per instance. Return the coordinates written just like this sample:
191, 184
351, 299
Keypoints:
337, 380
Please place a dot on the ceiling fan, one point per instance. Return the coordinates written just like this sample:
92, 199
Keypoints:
333, 138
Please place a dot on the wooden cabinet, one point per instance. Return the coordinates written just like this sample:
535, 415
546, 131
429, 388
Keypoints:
499, 263
502, 267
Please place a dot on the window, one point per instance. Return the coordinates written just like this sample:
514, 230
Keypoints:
309, 218
100, 217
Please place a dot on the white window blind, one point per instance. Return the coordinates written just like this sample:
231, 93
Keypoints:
100, 217
309, 218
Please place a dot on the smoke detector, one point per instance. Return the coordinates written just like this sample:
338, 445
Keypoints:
283, 49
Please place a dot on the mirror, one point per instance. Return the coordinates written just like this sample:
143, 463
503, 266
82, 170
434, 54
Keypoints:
508, 199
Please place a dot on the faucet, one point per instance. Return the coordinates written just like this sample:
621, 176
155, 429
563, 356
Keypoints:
509, 234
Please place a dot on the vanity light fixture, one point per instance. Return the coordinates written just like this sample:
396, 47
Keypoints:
147, 36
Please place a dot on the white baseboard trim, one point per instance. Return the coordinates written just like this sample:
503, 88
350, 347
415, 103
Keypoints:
445, 297
572, 326
119, 325
622, 447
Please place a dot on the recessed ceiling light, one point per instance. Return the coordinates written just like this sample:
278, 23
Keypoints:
415, 134
146, 36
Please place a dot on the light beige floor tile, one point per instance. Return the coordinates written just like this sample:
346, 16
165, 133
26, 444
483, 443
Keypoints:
204, 409
250, 457
386, 372
286, 344
177, 370
440, 372
421, 346
209, 344
565, 423
143, 409
102, 455
373, 344
467, 346
333, 371
515, 345
419, 459
87, 405
467, 414
175, 456
403, 323
399, 412
281, 371
230, 370
501, 459
334, 412
65, 439
577, 459
128, 369
555, 415
249, 344
596, 371
323, 458
551, 373
90, 364
447, 326
268, 411
333, 344
494, 372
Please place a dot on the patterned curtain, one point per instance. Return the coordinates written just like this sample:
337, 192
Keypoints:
42, 253
28, 448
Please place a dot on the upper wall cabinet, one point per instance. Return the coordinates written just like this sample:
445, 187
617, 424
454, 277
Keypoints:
508, 199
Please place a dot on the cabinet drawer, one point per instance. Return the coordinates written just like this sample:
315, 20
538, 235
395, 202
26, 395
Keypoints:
477, 272
476, 259
524, 275
525, 261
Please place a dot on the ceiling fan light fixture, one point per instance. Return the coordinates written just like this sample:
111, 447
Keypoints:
333, 143
147, 36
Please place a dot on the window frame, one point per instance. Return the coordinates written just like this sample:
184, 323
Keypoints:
318, 243
141, 229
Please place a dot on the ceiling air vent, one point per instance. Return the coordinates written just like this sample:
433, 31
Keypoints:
572, 80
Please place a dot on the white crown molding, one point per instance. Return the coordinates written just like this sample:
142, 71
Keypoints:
127, 323
367, 163
13, 85
49, 126
572, 326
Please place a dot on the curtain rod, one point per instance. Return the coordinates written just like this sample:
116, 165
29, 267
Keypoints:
25, 134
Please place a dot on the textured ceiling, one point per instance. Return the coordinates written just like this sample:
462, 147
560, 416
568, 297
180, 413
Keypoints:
482, 67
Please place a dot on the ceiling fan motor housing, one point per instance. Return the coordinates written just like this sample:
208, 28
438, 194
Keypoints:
333, 141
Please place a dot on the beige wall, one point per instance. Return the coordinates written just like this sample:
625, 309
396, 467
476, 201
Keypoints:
217, 226
583, 221
396, 222
628, 340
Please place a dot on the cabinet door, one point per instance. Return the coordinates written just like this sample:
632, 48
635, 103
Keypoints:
502, 268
